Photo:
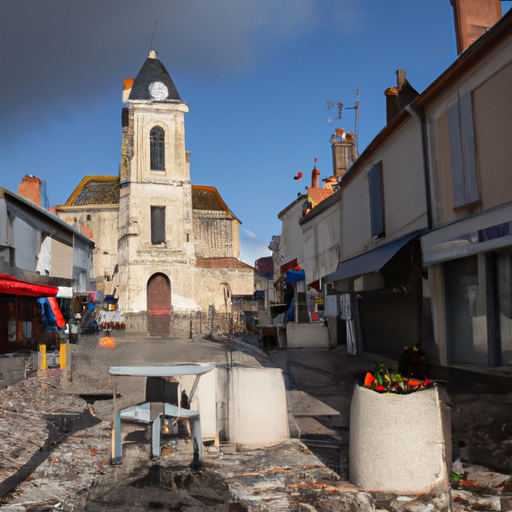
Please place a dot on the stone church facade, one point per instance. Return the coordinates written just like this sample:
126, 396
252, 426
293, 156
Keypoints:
162, 245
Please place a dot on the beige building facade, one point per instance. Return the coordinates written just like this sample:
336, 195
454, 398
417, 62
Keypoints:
426, 213
469, 253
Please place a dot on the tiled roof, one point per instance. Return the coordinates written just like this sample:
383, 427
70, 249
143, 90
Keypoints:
95, 190
221, 263
319, 194
208, 198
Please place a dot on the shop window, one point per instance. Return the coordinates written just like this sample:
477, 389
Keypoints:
11, 329
466, 311
503, 294
157, 225
462, 151
157, 139
376, 201
26, 316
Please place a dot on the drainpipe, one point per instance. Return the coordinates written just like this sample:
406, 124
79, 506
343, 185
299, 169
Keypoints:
413, 107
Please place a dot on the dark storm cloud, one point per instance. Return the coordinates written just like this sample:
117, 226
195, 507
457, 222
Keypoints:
57, 55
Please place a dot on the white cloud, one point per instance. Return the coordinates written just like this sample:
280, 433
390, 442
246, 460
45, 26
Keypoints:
249, 234
252, 247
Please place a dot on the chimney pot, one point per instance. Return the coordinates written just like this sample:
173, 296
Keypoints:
393, 106
315, 173
30, 188
472, 20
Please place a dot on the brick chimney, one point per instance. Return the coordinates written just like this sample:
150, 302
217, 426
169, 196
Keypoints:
472, 19
393, 106
344, 151
30, 188
315, 174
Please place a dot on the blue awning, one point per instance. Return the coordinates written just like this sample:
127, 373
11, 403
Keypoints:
371, 261
293, 276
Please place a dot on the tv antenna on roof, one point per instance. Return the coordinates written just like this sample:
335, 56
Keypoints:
153, 35
339, 108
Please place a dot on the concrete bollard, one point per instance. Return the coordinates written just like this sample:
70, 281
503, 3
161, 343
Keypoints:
399, 443
62, 358
42, 357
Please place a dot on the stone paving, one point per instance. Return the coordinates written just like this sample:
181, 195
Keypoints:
43, 444
75, 462
55, 451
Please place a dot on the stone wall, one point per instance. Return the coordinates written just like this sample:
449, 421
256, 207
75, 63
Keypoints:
194, 325
214, 234
12, 369
210, 290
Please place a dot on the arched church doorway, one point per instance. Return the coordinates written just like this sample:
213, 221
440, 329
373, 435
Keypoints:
159, 305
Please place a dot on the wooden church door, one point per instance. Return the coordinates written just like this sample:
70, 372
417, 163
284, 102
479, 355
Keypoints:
159, 306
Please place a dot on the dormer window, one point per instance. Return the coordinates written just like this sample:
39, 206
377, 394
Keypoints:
156, 140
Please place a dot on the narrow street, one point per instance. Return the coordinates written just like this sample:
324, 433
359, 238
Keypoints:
56, 446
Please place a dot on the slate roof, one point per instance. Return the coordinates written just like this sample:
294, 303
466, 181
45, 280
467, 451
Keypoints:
153, 71
101, 190
208, 198
95, 190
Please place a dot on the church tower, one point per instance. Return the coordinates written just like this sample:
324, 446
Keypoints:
155, 239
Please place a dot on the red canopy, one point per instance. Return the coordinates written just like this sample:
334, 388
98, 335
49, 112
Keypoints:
11, 285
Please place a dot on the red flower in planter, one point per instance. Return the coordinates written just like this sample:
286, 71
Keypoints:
369, 379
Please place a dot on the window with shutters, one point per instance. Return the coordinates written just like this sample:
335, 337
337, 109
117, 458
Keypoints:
157, 225
157, 139
462, 151
376, 201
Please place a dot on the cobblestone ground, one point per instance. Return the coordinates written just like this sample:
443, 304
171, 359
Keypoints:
320, 385
55, 453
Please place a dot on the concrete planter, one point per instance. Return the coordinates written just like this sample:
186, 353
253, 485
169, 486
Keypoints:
399, 443
257, 407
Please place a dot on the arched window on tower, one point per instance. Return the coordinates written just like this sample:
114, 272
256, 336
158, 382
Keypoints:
156, 140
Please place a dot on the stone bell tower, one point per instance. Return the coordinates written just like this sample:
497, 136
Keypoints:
155, 249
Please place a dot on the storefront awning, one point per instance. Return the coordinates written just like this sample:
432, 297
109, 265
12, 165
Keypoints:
371, 261
484, 232
12, 286
293, 276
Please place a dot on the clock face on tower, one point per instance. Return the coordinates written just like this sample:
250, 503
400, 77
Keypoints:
158, 91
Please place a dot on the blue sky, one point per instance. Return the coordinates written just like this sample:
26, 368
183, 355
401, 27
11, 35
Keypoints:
256, 74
